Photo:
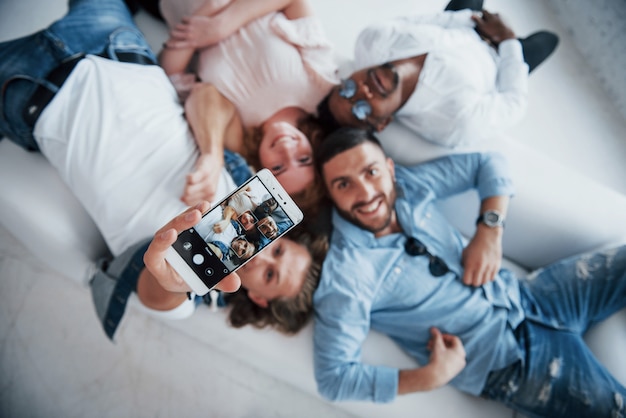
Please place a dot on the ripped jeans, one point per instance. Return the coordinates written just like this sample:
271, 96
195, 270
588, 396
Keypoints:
559, 376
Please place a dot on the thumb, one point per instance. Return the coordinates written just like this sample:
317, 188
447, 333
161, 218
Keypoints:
437, 338
434, 332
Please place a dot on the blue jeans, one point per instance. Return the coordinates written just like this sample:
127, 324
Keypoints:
90, 26
559, 376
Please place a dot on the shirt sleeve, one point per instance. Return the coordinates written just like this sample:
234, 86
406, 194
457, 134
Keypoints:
341, 325
446, 19
488, 172
507, 104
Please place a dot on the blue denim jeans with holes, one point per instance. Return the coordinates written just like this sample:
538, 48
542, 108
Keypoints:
559, 376
90, 26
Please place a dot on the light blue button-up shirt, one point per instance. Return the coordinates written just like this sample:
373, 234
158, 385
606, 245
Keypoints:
373, 283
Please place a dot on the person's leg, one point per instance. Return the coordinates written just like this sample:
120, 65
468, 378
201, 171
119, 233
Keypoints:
24, 63
537, 47
559, 377
577, 292
90, 26
476, 5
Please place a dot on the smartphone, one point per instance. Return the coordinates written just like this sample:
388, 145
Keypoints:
233, 231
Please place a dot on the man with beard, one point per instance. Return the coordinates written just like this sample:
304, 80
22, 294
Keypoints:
398, 266
451, 78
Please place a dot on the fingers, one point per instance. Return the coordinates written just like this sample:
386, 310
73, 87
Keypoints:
179, 32
198, 187
183, 35
488, 15
167, 235
163, 239
451, 341
439, 339
479, 266
154, 257
180, 37
230, 283
479, 276
485, 19
187, 219
436, 339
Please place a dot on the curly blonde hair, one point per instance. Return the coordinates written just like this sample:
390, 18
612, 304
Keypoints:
288, 315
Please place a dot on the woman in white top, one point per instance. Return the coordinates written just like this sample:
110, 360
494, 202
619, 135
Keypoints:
269, 58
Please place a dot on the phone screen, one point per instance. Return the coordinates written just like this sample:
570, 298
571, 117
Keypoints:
233, 232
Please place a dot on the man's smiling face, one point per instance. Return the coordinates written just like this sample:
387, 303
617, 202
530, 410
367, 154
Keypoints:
361, 184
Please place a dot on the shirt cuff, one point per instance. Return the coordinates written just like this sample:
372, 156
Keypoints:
386, 384
511, 48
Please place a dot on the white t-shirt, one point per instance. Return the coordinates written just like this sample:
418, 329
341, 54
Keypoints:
117, 134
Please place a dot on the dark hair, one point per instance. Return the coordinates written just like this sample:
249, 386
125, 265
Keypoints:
325, 116
288, 315
342, 140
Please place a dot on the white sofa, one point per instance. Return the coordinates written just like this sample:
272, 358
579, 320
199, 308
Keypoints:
557, 212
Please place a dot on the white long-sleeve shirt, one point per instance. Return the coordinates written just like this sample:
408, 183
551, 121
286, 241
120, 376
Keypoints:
466, 89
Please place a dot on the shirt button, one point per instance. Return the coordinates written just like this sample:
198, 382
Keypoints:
428, 215
397, 270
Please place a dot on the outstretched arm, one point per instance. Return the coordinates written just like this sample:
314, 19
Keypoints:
209, 25
159, 286
483, 255
215, 124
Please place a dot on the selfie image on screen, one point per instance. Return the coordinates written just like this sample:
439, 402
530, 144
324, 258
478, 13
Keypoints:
243, 224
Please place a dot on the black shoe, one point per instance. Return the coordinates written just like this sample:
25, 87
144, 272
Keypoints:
476, 5
537, 47
133, 8
152, 7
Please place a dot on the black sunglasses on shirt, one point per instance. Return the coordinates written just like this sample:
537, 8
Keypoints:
436, 265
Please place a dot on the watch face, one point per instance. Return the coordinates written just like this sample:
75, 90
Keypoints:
492, 218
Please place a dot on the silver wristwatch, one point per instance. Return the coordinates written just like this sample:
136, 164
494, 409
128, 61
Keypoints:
491, 218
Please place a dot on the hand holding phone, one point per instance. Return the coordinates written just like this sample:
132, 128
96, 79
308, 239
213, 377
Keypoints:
154, 258
232, 232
